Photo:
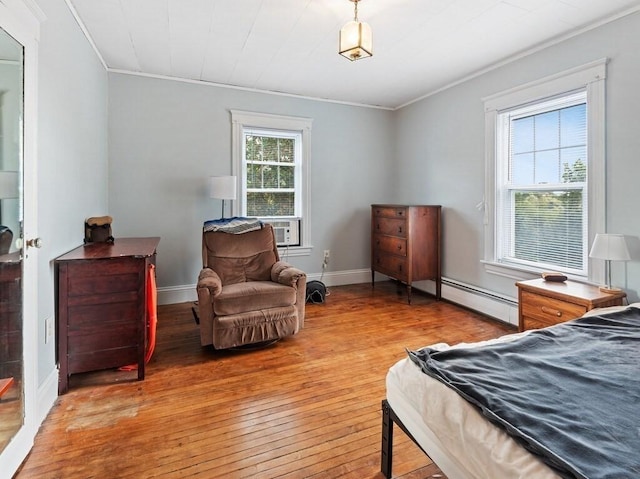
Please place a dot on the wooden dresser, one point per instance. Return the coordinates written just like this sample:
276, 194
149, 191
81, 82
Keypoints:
406, 243
101, 309
545, 303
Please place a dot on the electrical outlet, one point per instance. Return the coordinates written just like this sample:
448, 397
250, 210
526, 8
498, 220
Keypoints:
327, 253
48, 329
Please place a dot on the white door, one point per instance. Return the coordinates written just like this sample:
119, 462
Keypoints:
18, 258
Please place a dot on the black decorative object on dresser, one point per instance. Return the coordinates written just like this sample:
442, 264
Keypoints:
406, 243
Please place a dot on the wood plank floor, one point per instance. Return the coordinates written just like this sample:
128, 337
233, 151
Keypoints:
305, 407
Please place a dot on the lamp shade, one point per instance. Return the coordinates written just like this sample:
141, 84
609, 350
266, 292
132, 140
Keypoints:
9, 187
222, 187
356, 40
610, 247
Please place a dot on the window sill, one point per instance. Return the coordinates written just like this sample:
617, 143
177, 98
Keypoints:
518, 272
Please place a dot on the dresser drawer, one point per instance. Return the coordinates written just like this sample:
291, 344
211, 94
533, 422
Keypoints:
549, 310
390, 244
390, 226
391, 265
390, 211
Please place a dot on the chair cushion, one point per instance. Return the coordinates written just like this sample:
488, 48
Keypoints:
253, 296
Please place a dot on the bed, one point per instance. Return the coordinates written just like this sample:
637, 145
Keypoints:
441, 397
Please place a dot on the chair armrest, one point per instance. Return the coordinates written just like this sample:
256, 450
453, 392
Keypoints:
210, 280
283, 273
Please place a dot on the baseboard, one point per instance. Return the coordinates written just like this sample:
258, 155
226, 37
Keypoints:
187, 293
47, 395
484, 301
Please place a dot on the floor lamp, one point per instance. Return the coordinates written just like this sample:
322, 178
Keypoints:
222, 188
610, 248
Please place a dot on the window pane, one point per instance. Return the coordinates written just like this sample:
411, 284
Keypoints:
574, 165
522, 169
547, 167
522, 135
548, 228
547, 130
573, 126
270, 204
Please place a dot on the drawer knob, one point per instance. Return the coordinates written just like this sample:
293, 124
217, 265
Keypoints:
554, 312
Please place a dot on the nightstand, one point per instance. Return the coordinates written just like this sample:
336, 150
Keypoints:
545, 303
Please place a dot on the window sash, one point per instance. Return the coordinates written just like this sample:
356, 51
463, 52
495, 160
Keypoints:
264, 197
543, 224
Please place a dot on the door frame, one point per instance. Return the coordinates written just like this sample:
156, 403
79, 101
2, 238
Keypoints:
21, 19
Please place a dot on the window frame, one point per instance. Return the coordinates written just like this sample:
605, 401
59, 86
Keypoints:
590, 77
249, 121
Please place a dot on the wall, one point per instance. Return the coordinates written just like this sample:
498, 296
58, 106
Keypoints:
440, 148
72, 153
167, 137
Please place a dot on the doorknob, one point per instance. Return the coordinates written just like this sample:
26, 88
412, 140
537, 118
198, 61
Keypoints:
34, 243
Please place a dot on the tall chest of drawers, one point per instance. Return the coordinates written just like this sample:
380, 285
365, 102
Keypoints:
406, 243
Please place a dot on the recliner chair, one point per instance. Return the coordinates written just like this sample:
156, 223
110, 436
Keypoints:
246, 295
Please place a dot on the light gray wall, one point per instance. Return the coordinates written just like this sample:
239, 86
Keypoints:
72, 151
440, 148
167, 137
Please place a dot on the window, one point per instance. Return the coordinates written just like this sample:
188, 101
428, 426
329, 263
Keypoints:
545, 174
271, 156
272, 171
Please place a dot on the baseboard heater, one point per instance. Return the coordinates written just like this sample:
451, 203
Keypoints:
480, 291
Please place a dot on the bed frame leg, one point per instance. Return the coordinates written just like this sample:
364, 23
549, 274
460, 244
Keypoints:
387, 440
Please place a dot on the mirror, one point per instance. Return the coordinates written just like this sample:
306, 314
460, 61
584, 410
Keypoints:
11, 149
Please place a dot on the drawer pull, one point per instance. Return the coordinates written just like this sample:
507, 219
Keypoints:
400, 213
377, 225
399, 229
399, 247
400, 268
554, 312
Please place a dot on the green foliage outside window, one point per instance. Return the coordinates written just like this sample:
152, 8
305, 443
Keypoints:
544, 217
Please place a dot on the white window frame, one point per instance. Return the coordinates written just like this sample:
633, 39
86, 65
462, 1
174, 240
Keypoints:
243, 120
591, 77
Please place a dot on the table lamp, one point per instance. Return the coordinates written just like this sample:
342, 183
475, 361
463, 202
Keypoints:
222, 188
609, 247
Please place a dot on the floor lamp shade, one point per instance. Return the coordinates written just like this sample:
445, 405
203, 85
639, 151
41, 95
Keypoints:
222, 188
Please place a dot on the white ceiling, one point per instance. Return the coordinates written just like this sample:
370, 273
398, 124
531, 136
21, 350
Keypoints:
290, 46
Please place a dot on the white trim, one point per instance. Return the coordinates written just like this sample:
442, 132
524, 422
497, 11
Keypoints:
247, 89
47, 395
244, 119
591, 76
495, 305
21, 20
564, 81
86, 33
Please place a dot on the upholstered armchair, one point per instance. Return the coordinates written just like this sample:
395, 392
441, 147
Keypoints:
246, 295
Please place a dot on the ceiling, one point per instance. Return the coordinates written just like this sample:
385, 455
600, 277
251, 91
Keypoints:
290, 46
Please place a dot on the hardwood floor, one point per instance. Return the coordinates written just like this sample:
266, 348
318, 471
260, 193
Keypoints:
307, 406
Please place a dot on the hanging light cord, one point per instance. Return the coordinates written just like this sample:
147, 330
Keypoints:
355, 10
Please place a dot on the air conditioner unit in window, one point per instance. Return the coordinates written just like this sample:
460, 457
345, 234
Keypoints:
287, 232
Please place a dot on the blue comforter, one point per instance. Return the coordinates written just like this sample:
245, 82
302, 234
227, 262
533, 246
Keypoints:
569, 393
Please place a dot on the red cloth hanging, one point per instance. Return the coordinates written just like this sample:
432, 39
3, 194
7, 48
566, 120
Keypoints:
152, 318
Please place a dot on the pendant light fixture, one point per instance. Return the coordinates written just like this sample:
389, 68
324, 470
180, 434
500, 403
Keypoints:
356, 40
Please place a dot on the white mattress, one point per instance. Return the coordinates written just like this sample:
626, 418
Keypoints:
454, 434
